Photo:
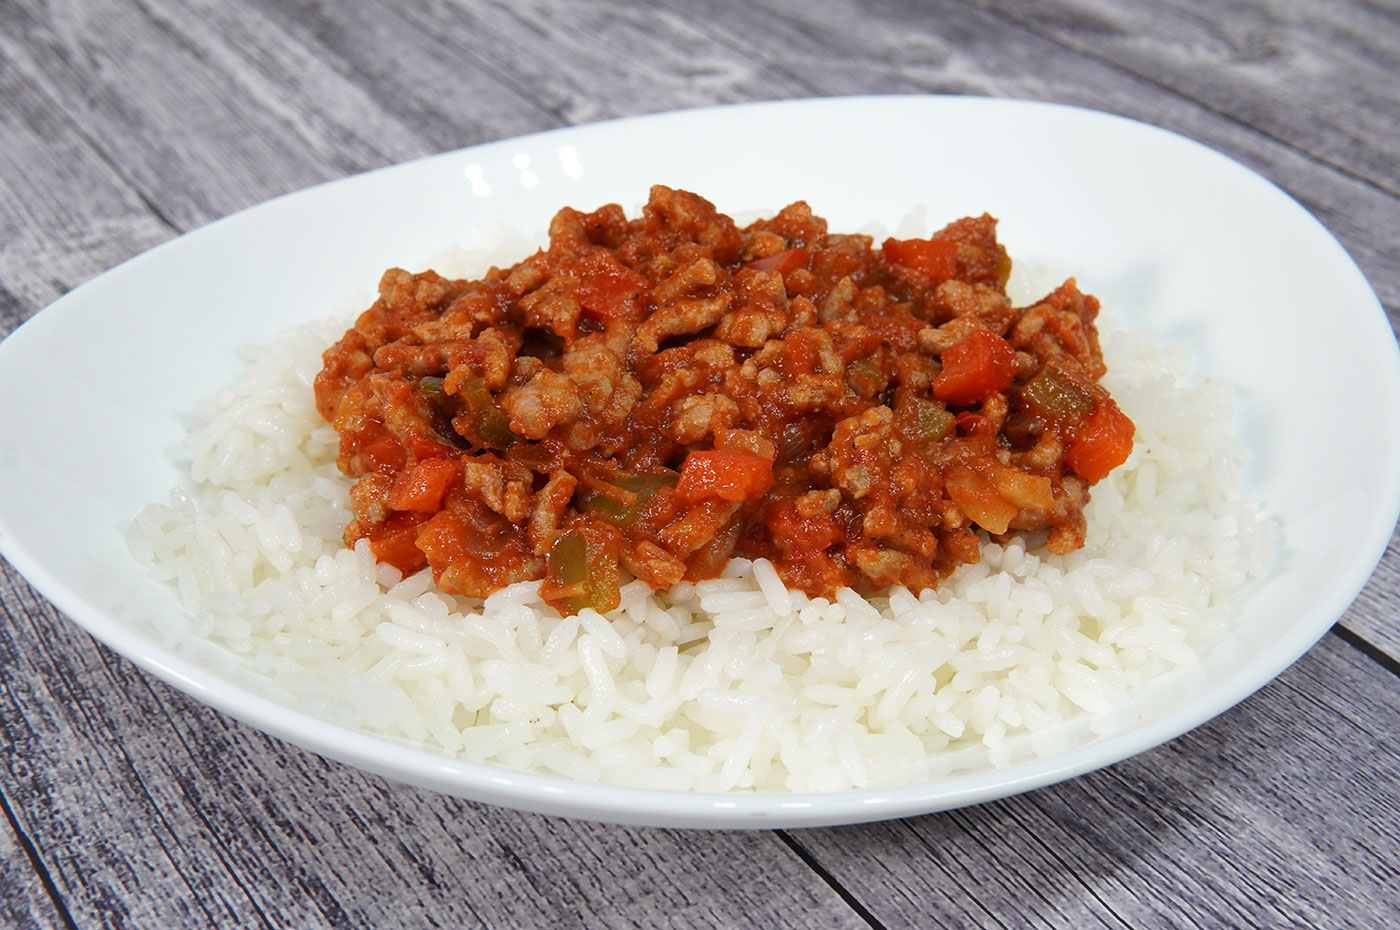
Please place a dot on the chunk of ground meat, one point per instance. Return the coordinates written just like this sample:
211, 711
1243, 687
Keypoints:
548, 400
651, 396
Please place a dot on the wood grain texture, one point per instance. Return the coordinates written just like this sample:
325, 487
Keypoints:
947, 47
1264, 63
50, 240
155, 811
25, 901
1375, 614
1184, 835
124, 123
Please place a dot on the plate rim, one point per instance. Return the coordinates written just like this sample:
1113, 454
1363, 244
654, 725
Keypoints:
556, 795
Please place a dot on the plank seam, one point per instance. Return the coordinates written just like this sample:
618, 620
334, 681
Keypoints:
1035, 837
1371, 651
506, 78
81, 130
222, 852
1070, 46
135, 188
844, 893
36, 862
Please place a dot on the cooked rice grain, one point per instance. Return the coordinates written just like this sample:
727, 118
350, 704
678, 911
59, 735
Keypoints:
734, 683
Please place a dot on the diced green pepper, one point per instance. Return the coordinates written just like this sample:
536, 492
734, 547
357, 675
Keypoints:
432, 386
604, 505
930, 424
864, 377
578, 579
864, 368
1056, 398
604, 583
489, 422
616, 509
475, 395
568, 569
495, 429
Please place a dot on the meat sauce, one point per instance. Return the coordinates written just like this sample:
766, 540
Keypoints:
651, 396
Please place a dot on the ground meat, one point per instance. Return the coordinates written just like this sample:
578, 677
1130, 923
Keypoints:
547, 401
652, 396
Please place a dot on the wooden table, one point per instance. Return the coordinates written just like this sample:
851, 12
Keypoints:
125, 123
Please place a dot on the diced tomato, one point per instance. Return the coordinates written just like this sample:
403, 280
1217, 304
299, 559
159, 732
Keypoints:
978, 364
395, 541
426, 446
794, 534
936, 258
606, 288
731, 475
472, 549
785, 263
423, 487
1101, 443
801, 354
382, 454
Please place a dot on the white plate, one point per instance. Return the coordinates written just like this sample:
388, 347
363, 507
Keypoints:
1171, 235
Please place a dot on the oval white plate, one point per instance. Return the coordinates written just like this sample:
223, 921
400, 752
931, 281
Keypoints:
1172, 236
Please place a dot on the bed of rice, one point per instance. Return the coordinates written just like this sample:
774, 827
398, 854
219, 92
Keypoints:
731, 684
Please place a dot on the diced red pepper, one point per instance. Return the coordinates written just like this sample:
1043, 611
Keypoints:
731, 475
785, 263
1101, 443
937, 258
423, 487
978, 364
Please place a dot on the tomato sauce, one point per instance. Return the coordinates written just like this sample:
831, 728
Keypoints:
651, 396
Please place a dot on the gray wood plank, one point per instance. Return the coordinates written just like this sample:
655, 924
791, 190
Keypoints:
122, 123
896, 46
152, 810
1187, 835
606, 59
214, 111
65, 212
944, 47
1266, 63
25, 903
1375, 614
890, 49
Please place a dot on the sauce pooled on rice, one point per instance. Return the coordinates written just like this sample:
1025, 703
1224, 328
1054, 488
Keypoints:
658, 394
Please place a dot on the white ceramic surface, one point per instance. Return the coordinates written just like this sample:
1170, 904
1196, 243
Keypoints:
1169, 234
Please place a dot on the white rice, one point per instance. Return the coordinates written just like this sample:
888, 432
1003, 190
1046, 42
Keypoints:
735, 683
